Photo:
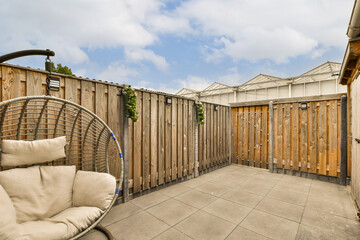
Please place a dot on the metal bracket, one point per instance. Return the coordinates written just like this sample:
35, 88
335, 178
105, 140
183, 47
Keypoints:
358, 140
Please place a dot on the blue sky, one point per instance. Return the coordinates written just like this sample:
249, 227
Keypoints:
168, 45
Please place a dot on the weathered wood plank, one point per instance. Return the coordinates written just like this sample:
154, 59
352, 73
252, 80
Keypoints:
34, 83
295, 137
115, 125
246, 136
153, 139
161, 137
137, 147
322, 140
333, 138
185, 117
313, 148
264, 137
240, 140
146, 141
174, 139
100, 98
251, 136
180, 138
304, 140
257, 156
215, 136
287, 136
168, 142
279, 142
234, 132
10, 85
191, 137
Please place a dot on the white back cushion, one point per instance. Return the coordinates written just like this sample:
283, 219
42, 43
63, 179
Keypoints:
39, 192
19, 152
93, 189
8, 227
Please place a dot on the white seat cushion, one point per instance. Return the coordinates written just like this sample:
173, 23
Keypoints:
61, 226
39, 192
8, 227
19, 152
93, 189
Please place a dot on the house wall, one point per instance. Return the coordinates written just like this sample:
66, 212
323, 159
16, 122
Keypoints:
355, 133
294, 90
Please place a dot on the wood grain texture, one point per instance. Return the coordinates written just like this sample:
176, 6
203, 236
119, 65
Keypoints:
161, 137
154, 139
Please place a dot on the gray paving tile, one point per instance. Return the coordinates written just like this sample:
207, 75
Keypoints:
139, 226
282, 209
287, 196
315, 233
120, 212
94, 235
149, 200
227, 181
242, 197
172, 234
175, 190
297, 180
291, 187
193, 183
213, 189
227, 210
254, 187
202, 225
171, 211
241, 233
196, 198
270, 226
333, 224
342, 207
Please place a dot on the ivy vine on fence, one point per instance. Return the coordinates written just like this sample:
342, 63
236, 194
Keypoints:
130, 104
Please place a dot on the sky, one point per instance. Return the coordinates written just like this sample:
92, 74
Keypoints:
170, 45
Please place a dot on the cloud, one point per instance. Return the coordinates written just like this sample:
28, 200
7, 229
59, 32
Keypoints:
232, 78
118, 73
193, 82
138, 54
276, 30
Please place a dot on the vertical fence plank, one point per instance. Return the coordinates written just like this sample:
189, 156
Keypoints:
180, 139
185, 137
279, 142
287, 136
234, 127
332, 141
264, 137
168, 142
216, 139
146, 141
161, 137
240, 135
174, 139
304, 140
252, 136
137, 147
257, 135
154, 139
246, 136
322, 126
191, 136
313, 148
295, 137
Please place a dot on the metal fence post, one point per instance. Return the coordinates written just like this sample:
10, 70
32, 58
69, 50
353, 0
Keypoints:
343, 141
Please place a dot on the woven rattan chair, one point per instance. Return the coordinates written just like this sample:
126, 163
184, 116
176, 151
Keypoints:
90, 143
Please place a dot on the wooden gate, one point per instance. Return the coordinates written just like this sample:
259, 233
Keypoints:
249, 135
306, 134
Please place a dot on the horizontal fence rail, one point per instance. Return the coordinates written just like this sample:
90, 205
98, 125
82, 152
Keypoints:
164, 145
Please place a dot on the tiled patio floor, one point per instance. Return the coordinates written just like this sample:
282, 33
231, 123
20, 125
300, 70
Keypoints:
238, 202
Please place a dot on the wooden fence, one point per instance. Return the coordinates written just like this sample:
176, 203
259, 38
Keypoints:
305, 139
161, 144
